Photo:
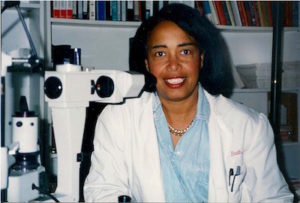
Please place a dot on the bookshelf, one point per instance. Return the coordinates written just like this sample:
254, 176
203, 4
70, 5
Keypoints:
105, 45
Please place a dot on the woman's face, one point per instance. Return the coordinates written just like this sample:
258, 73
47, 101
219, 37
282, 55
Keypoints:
174, 59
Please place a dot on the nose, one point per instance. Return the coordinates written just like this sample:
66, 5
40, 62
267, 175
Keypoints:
173, 62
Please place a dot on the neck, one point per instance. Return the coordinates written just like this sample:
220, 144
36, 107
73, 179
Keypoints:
179, 114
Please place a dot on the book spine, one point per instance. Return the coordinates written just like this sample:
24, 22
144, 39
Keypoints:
130, 10
295, 13
265, 15
220, 12
248, 13
236, 14
229, 9
298, 14
255, 11
149, 9
269, 6
108, 10
69, 9
80, 9
288, 14
55, 9
142, 10
207, 11
199, 7
123, 10
100, 10
119, 10
63, 9
114, 10
74, 10
214, 13
242, 13
260, 13
85, 11
92, 10
136, 10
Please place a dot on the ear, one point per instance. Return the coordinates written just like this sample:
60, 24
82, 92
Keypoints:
201, 60
147, 65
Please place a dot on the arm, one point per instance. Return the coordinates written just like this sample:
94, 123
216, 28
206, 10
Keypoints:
264, 179
108, 176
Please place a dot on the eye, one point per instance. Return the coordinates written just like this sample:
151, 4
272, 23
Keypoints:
185, 52
159, 53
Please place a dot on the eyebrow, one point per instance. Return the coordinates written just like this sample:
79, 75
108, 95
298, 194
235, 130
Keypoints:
179, 45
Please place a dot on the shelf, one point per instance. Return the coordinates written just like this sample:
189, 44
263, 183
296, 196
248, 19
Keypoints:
253, 28
290, 144
135, 24
255, 90
93, 23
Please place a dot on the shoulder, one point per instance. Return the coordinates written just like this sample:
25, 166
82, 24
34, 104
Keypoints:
235, 114
130, 106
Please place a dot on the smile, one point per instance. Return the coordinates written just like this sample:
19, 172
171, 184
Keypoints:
175, 82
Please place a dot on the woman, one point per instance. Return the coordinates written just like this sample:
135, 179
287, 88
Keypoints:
182, 141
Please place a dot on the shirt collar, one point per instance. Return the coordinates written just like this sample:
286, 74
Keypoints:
202, 106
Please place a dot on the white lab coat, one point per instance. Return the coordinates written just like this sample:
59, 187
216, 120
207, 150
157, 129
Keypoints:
126, 157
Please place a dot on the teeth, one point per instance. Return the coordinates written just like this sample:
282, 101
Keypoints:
175, 80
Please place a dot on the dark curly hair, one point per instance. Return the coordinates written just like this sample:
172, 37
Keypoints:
215, 75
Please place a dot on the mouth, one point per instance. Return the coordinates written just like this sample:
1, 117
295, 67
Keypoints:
175, 82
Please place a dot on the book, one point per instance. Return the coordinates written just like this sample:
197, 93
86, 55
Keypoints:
288, 14
214, 13
130, 12
62, 9
242, 12
142, 10
69, 9
92, 9
249, 13
199, 7
236, 14
265, 13
226, 12
114, 10
74, 10
295, 9
149, 9
261, 15
55, 9
123, 11
80, 9
136, 10
85, 11
270, 17
220, 12
255, 11
229, 9
155, 7
100, 10
207, 11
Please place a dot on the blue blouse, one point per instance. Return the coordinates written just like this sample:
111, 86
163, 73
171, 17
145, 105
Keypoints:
185, 169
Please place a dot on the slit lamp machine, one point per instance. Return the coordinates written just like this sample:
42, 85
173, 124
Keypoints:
68, 92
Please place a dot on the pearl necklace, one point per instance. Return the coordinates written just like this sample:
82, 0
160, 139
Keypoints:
177, 132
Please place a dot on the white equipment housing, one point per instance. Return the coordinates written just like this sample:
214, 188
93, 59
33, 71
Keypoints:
68, 92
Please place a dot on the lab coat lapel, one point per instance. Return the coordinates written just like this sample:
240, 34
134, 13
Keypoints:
149, 172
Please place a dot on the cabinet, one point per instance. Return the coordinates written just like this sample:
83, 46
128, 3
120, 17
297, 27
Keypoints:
15, 44
105, 45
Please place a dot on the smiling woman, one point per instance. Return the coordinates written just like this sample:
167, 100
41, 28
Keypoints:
178, 141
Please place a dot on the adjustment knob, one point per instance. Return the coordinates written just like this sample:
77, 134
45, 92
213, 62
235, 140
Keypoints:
124, 199
53, 87
104, 86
